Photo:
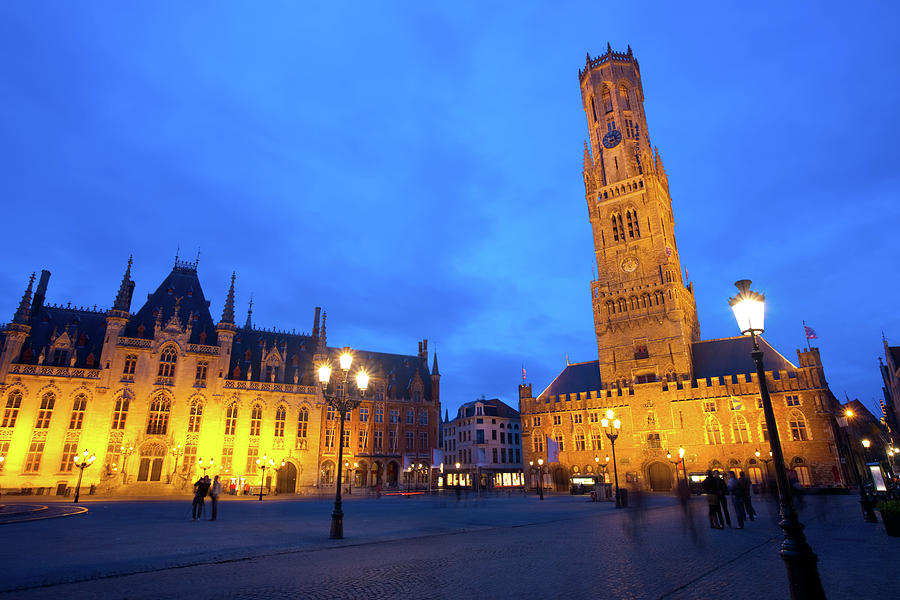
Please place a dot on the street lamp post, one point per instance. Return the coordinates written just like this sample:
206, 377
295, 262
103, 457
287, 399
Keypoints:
683, 468
263, 463
208, 465
343, 403
126, 452
541, 477
675, 462
866, 444
867, 509
766, 461
177, 453
612, 427
82, 461
799, 558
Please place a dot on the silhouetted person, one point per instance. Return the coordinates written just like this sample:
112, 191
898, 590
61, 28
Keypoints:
746, 489
201, 488
214, 492
710, 489
737, 501
721, 492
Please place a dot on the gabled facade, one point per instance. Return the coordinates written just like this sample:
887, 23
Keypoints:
668, 388
153, 392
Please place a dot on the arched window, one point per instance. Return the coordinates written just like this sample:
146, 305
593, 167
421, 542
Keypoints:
255, 419
624, 102
48, 400
167, 361
610, 307
798, 427
713, 431
78, 407
579, 440
763, 429
558, 437
195, 415
630, 222
11, 413
158, 419
622, 306
231, 416
739, 430
302, 423
606, 99
120, 413
593, 109
596, 439
632, 214
130, 365
280, 418
615, 226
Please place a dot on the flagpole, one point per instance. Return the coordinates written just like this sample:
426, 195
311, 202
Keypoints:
806, 335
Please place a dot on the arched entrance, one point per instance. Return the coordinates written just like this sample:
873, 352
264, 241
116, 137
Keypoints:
153, 455
327, 473
392, 472
377, 473
287, 479
360, 476
660, 477
560, 479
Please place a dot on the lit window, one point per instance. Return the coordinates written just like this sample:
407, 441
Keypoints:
255, 419
739, 430
200, 377
579, 441
167, 361
379, 415
78, 408
713, 431
120, 413
11, 413
46, 411
33, 458
798, 427
363, 415
302, 427
231, 418
68, 457
280, 418
792, 400
158, 419
196, 413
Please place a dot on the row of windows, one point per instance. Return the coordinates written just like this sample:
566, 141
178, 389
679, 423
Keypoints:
631, 221
45, 412
377, 440
645, 300
393, 415
606, 101
711, 406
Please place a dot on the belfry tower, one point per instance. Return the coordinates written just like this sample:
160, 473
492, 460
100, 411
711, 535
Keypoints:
645, 316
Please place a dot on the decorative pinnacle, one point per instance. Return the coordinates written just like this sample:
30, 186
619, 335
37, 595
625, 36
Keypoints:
228, 311
122, 298
249, 323
25, 305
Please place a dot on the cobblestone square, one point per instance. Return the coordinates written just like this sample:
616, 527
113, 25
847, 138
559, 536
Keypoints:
434, 547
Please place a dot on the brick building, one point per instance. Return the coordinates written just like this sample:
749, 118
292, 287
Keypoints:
668, 388
153, 392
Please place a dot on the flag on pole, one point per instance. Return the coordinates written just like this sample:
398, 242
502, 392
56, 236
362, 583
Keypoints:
552, 450
810, 332
523, 373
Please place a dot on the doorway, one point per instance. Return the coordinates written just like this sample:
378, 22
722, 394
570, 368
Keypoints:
152, 458
287, 479
660, 476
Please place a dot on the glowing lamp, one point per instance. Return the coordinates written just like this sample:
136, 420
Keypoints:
681, 453
346, 359
610, 414
617, 424
604, 422
866, 444
362, 380
324, 374
541, 462
749, 308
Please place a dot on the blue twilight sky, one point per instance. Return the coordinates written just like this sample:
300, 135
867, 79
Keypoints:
415, 167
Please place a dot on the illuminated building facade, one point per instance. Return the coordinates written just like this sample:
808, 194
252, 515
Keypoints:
485, 440
152, 393
668, 388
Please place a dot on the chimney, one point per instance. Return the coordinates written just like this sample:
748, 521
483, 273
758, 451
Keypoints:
41, 293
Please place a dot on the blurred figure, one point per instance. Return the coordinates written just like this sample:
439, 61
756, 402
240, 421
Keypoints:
635, 525
710, 489
687, 514
745, 488
736, 500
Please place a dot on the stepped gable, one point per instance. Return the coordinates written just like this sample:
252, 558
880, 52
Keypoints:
84, 328
731, 356
181, 285
577, 377
398, 371
252, 346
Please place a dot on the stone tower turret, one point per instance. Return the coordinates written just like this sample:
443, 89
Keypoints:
645, 316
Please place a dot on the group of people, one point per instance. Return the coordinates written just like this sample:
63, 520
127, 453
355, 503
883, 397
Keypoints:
716, 490
203, 487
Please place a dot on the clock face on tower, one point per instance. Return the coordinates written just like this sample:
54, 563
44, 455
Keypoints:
629, 264
612, 138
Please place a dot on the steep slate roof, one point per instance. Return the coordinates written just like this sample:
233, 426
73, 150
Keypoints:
296, 350
492, 408
181, 285
577, 377
731, 356
398, 371
895, 355
85, 327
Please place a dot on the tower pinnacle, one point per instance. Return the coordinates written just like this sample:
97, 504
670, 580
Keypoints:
249, 323
24, 310
228, 311
123, 298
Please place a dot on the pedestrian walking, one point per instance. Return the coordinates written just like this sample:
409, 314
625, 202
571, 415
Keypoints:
710, 489
746, 489
201, 488
721, 492
737, 501
214, 492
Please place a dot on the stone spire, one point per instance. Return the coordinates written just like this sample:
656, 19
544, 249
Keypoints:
228, 311
123, 298
24, 311
322, 345
249, 323
588, 162
434, 367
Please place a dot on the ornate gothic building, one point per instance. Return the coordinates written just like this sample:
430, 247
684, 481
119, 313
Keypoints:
668, 388
164, 392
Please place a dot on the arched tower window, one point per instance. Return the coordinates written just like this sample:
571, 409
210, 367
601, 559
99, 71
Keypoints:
713, 431
79, 406
167, 361
606, 99
255, 419
158, 419
623, 98
630, 222
615, 226
280, 418
593, 109
637, 226
610, 308
196, 413
231, 416
739, 430
799, 431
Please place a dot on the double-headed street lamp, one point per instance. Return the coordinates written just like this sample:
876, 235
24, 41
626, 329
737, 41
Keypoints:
177, 452
611, 427
799, 558
540, 478
343, 403
263, 463
680, 459
352, 474
205, 466
766, 461
82, 461
867, 509
126, 452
